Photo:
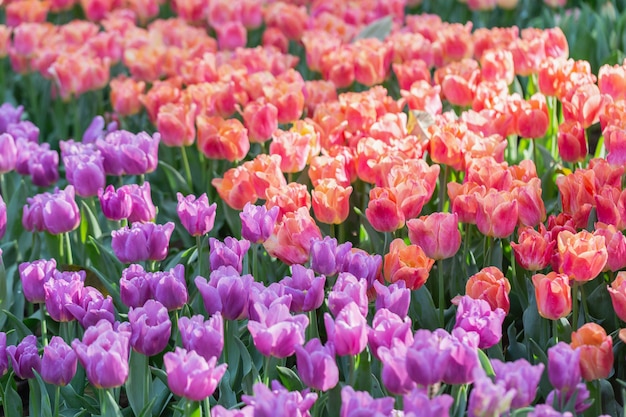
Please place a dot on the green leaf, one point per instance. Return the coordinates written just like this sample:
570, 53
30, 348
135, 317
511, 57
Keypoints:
92, 221
422, 309
108, 406
139, 382
378, 29
459, 393
39, 399
74, 400
485, 363
13, 405
289, 378
363, 381
20, 328
176, 180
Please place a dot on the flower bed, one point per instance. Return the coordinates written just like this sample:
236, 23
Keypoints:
254, 208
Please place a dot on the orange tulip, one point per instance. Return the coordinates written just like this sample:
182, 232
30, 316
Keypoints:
535, 248
553, 295
584, 104
612, 81
331, 202
236, 188
533, 118
617, 290
407, 263
222, 138
371, 61
289, 198
596, 351
125, 93
291, 240
582, 255
491, 285
294, 148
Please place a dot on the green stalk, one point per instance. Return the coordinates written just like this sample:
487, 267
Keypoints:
255, 261
207, 407
266, 370
575, 307
3, 188
183, 150
200, 254
352, 370
70, 259
77, 119
443, 178
466, 243
555, 331
312, 329
44, 325
57, 400
442, 306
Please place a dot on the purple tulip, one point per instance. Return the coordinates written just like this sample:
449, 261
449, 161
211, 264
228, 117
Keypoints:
191, 376
463, 357
418, 404
143, 209
489, 399
278, 402
428, 356
277, 333
362, 265
125, 153
150, 327
33, 275
59, 362
325, 255
24, 151
62, 290
9, 115
360, 403
219, 411
520, 376
348, 332
116, 204
265, 296
3, 217
85, 172
257, 222
228, 253
386, 327
104, 353
395, 297
169, 288
196, 215
43, 166
92, 307
142, 242
317, 365
226, 292
71, 148
95, 130
306, 290
545, 410
582, 401
24, 130
55, 213
206, 337
348, 289
8, 153
135, 288
4, 359
394, 374
563, 367
25, 357
475, 315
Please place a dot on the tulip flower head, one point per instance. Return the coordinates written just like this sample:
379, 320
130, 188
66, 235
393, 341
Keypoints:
191, 376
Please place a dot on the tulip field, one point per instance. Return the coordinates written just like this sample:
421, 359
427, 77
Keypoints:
317, 208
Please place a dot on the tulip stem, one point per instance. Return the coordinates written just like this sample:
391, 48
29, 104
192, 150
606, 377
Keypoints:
266, 371
575, 307
44, 325
3, 188
466, 244
68, 242
442, 320
352, 370
555, 331
255, 261
313, 330
200, 254
207, 407
77, 119
183, 150
443, 178
57, 402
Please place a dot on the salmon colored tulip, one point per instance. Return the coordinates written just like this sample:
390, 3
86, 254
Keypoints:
497, 214
553, 295
322, 167
491, 285
535, 248
617, 290
175, 123
288, 198
437, 234
596, 351
125, 93
261, 120
582, 255
533, 118
292, 237
407, 263
615, 246
584, 104
497, 64
294, 149
572, 141
236, 188
530, 205
464, 200
612, 81
222, 138
383, 210
331, 202
411, 71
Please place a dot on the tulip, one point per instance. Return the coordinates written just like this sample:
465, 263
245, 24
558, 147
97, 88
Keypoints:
228, 253
116, 204
150, 327
581, 394
220, 138
33, 276
277, 401
85, 172
490, 285
8, 153
261, 120
617, 290
394, 374
348, 289
383, 210
596, 351
331, 202
59, 362
143, 209
205, 337
55, 213
572, 141
348, 332
142, 242
62, 290
25, 358
427, 357
535, 249
387, 327
476, 316
417, 403
582, 255
564, 370
175, 123
191, 376
530, 206
43, 166
316, 365
277, 333
520, 376
226, 292
135, 288
92, 307
196, 215
126, 153
497, 214
326, 254
125, 93
615, 246
407, 263
395, 297
9, 115
437, 234
362, 265
4, 359
489, 399
553, 295
257, 222
306, 289
358, 403
169, 287
463, 356
292, 237
23, 130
